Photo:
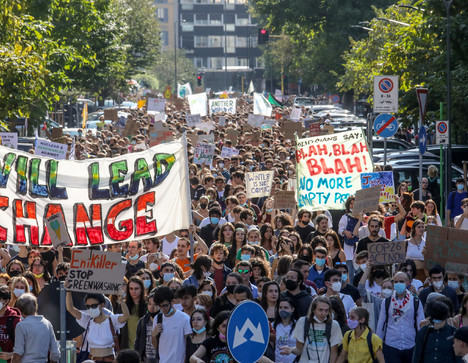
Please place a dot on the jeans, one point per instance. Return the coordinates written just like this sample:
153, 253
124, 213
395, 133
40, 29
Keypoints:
351, 271
394, 355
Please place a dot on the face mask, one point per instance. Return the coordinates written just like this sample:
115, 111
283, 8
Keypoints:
318, 320
436, 321
18, 292
460, 187
336, 286
153, 266
399, 287
134, 257
146, 283
199, 306
168, 276
199, 331
170, 311
387, 292
353, 324
269, 210
207, 274
214, 175
290, 172
30, 290
305, 258
453, 284
39, 276
291, 284
431, 224
209, 293
284, 314
93, 313
153, 314
363, 266
320, 261
351, 209
214, 220
221, 165
203, 205
230, 289
253, 243
259, 295
438, 284
245, 257
222, 336
344, 277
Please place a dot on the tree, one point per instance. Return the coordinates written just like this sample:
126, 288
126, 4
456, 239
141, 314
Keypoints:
164, 70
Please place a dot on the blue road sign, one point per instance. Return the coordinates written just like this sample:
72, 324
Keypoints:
248, 332
422, 140
385, 125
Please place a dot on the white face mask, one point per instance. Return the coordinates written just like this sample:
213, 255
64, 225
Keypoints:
363, 266
438, 284
336, 286
18, 292
207, 274
153, 266
93, 313
209, 293
387, 292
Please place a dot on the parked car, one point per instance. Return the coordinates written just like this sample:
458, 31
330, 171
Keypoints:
307, 102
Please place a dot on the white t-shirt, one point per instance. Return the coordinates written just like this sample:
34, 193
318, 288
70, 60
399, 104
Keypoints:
316, 340
172, 338
414, 252
284, 337
168, 247
348, 303
464, 223
99, 335
375, 290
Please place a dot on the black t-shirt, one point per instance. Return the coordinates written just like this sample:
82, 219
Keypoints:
304, 231
217, 351
351, 291
131, 270
363, 242
196, 193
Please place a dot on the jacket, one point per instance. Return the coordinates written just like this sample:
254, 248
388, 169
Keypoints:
7, 339
140, 340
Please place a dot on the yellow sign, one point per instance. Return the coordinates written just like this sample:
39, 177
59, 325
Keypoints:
85, 114
141, 103
223, 95
167, 92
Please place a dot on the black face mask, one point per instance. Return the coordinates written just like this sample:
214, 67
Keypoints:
378, 274
62, 278
15, 273
154, 314
230, 289
291, 284
220, 262
306, 258
203, 205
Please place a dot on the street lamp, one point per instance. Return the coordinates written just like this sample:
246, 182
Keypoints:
393, 21
362, 27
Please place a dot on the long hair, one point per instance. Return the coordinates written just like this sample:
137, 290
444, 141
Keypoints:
264, 302
278, 319
362, 313
221, 238
313, 306
141, 300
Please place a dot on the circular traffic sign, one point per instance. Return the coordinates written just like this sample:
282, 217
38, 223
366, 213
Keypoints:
335, 98
386, 85
385, 125
442, 127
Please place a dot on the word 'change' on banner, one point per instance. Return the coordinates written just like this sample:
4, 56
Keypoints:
258, 184
382, 178
223, 105
96, 272
329, 169
126, 198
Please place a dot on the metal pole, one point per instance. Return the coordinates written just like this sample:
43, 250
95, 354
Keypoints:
448, 163
175, 56
225, 50
63, 323
282, 81
441, 168
385, 151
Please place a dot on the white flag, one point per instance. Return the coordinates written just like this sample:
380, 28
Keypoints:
261, 105
183, 90
251, 88
198, 104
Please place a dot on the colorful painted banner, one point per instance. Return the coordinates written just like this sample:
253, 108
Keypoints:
197, 104
329, 169
258, 184
121, 199
204, 153
382, 178
220, 106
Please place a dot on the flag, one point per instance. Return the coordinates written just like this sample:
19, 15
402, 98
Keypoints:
71, 154
183, 90
273, 101
36, 135
84, 115
251, 87
261, 105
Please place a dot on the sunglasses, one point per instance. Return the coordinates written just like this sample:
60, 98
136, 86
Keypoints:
244, 271
93, 306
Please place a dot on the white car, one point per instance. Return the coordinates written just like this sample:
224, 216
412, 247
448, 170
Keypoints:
94, 124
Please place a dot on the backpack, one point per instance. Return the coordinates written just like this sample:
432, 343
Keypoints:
387, 306
350, 227
369, 344
328, 326
9, 327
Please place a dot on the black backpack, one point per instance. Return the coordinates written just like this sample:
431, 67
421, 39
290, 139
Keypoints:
328, 326
369, 344
387, 306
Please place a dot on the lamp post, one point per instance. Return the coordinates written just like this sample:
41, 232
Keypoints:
175, 55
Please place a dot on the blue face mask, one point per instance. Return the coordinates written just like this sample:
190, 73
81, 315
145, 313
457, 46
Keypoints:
199, 331
269, 210
344, 277
214, 220
170, 311
460, 187
399, 287
168, 276
245, 257
436, 321
320, 261
146, 283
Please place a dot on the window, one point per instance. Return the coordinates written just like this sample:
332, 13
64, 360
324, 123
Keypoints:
242, 19
199, 62
201, 19
162, 14
216, 19
242, 42
164, 37
231, 44
216, 62
215, 41
201, 41
242, 62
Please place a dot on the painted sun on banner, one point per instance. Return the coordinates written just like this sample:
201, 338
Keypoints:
329, 169
127, 198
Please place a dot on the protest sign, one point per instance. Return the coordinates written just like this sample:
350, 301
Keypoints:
255, 120
159, 117
111, 114
184, 90
157, 104
204, 153
109, 200
290, 128
329, 169
261, 105
222, 121
224, 106
387, 253
258, 184
51, 149
285, 199
314, 129
132, 128
367, 200
205, 126
296, 113
209, 139
197, 104
58, 230
447, 247
255, 138
227, 152
9, 139
159, 133
382, 178
96, 272
232, 135
327, 130
56, 133
193, 120
292, 184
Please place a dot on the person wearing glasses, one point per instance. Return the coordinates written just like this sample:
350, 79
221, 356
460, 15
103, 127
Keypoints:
100, 328
244, 269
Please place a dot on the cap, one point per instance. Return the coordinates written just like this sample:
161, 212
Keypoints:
462, 334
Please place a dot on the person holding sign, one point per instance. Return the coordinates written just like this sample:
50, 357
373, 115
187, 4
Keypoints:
100, 329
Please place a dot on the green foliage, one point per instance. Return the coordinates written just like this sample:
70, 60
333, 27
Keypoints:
164, 70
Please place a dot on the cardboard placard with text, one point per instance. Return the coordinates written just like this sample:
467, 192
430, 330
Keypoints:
160, 133
387, 253
367, 200
132, 127
289, 128
327, 130
232, 135
210, 138
255, 137
111, 114
285, 199
314, 129
258, 184
193, 120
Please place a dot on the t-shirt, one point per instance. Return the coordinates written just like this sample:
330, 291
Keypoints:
363, 242
185, 263
172, 338
168, 247
217, 351
150, 350
304, 231
316, 343
284, 338
358, 350
464, 224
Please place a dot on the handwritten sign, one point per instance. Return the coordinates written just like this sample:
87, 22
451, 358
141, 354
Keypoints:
314, 129
157, 104
228, 152
193, 120
197, 104
51, 149
209, 139
222, 121
382, 178
204, 153
223, 106
367, 200
386, 253
258, 184
329, 169
285, 199
9, 139
290, 128
447, 247
96, 272
58, 231
205, 126
160, 133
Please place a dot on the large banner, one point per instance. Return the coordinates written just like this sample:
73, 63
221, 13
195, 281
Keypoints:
223, 105
127, 198
329, 169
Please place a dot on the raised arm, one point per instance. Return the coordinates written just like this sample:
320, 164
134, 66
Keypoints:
71, 308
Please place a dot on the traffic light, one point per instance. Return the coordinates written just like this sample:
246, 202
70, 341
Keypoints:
199, 79
263, 36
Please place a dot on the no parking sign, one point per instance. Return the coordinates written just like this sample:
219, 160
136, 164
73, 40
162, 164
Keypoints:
442, 128
386, 94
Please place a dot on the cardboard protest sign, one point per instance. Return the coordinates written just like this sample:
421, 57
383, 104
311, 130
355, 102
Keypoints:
159, 117
111, 114
227, 152
296, 113
255, 120
329, 169
290, 128
447, 247
204, 153
56, 133
9, 139
387, 253
51, 149
314, 129
209, 139
157, 104
382, 178
285, 199
232, 135
193, 120
160, 133
102, 201
367, 200
205, 126
132, 127
197, 104
327, 130
58, 231
255, 137
96, 272
224, 106
222, 121
258, 184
